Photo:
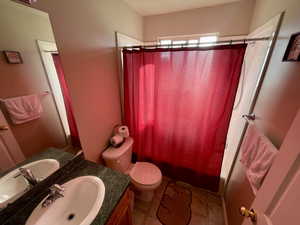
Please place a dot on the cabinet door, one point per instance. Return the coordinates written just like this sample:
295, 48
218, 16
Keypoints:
122, 214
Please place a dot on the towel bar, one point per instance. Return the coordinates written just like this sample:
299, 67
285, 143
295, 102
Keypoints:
42, 94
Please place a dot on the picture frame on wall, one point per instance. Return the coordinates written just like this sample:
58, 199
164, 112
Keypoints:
292, 53
13, 57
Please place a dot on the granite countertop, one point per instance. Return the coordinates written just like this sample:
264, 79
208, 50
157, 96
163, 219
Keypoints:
115, 185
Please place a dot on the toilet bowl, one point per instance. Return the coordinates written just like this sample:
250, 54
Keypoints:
145, 177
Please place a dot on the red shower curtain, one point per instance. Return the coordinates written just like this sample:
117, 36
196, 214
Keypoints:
178, 104
67, 100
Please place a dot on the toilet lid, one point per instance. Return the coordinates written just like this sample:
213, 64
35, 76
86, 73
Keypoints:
145, 173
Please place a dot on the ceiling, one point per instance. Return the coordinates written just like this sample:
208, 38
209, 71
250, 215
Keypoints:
154, 7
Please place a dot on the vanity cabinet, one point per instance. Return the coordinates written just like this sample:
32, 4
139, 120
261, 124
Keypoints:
122, 214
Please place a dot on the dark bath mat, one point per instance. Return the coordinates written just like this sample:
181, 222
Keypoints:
175, 205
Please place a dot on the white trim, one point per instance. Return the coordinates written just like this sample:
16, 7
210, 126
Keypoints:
123, 40
45, 49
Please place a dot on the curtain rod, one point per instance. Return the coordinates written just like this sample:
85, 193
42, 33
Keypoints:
198, 44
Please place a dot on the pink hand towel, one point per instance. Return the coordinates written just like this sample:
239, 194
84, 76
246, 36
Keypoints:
24, 109
257, 155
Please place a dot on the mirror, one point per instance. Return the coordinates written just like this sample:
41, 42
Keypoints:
37, 127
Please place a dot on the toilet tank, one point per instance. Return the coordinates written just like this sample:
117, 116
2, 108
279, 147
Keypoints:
119, 158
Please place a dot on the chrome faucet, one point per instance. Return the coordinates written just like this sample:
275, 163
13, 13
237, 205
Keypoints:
28, 175
56, 192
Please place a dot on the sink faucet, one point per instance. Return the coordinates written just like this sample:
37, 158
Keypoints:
56, 191
28, 175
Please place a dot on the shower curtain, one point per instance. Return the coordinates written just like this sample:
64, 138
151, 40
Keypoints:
178, 103
67, 100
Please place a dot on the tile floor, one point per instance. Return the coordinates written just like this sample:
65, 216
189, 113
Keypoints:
206, 208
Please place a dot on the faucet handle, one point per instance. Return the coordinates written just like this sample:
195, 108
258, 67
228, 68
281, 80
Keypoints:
56, 189
26, 172
28, 175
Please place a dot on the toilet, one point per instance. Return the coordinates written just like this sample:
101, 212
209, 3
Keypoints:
145, 177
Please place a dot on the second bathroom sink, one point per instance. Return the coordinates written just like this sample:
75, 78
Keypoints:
13, 185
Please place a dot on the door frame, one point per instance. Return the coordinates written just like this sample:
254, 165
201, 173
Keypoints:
46, 49
123, 40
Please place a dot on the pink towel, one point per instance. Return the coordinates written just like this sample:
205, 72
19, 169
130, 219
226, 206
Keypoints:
24, 109
258, 154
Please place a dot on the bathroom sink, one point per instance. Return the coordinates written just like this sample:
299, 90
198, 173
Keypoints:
83, 198
13, 185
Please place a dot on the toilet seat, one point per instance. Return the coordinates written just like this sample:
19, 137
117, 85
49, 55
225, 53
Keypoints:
146, 175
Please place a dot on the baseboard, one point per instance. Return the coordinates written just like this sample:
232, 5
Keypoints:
224, 210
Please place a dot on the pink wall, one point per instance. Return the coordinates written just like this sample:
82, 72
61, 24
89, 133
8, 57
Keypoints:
228, 19
84, 32
19, 31
278, 100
